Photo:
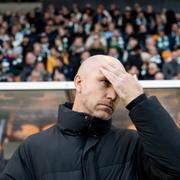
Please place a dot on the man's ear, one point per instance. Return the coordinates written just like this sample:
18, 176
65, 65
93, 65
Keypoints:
78, 83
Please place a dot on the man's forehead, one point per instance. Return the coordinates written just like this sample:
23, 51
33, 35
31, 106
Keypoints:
93, 64
99, 60
103, 58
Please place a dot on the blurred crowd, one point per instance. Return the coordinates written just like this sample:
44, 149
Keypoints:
50, 45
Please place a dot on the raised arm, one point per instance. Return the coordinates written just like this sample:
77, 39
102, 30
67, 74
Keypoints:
158, 153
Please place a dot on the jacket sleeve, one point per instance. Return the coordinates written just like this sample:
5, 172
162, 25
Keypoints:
159, 146
18, 167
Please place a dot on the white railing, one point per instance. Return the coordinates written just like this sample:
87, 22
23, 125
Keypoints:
70, 85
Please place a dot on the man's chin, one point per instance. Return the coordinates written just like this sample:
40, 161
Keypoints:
105, 108
104, 115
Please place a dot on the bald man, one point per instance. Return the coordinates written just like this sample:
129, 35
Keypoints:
84, 146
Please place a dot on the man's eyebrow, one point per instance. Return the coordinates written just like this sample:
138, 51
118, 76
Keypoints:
103, 78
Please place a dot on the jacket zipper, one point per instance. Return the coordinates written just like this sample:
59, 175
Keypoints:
83, 168
84, 174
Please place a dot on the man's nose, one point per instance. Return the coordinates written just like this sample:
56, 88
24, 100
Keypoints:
111, 94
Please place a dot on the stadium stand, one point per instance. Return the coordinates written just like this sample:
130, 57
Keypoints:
49, 45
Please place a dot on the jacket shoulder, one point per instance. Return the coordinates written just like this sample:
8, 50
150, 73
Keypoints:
41, 139
127, 137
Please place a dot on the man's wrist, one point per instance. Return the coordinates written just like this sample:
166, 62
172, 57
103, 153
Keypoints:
136, 101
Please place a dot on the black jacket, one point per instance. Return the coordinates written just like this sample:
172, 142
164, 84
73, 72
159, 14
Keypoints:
80, 147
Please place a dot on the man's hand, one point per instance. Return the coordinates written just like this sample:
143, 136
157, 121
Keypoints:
125, 85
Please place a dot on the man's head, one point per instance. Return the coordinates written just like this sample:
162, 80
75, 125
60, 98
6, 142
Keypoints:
94, 93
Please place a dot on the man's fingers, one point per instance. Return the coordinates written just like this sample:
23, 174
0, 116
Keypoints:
109, 68
118, 70
115, 64
135, 77
111, 77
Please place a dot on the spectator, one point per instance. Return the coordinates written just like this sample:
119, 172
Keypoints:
77, 47
96, 34
97, 47
172, 68
44, 43
29, 65
127, 18
142, 35
134, 71
163, 41
53, 61
113, 52
152, 69
84, 56
141, 19
159, 76
40, 67
133, 57
150, 16
155, 56
35, 76
58, 74
26, 46
129, 31
40, 55
176, 38
75, 53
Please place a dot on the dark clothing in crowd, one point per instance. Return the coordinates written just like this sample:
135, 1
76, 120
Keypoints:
171, 69
148, 77
134, 59
83, 147
94, 51
26, 72
73, 66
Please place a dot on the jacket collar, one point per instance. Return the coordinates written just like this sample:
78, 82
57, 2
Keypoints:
77, 123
